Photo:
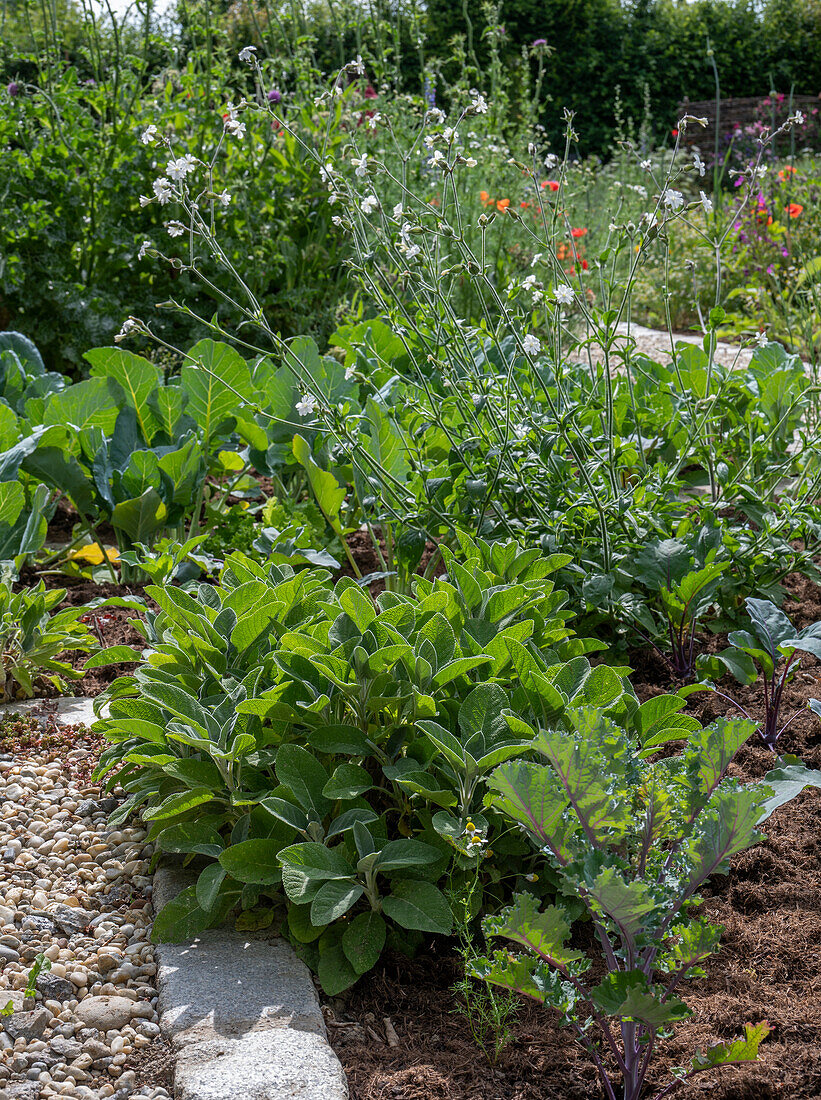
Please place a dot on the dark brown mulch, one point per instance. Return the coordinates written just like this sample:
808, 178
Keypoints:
367, 561
769, 966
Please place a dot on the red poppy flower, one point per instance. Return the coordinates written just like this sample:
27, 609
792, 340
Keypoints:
794, 210
552, 184
578, 232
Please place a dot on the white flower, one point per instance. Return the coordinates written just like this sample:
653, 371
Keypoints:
438, 159
673, 200
479, 105
762, 339
246, 54
175, 229
162, 189
411, 251
647, 165
306, 405
706, 203
528, 282
224, 198
536, 259
326, 173
449, 134
398, 211
564, 294
333, 198
145, 200
374, 120
234, 127
349, 374
147, 136
471, 162
179, 169
531, 345
699, 164
129, 324
144, 247
357, 66
369, 204
435, 116
797, 118
551, 160
430, 140
337, 220
361, 165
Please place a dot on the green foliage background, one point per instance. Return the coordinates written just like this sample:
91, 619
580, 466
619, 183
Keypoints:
601, 44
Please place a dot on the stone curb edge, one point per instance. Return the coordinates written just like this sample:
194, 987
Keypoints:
242, 1015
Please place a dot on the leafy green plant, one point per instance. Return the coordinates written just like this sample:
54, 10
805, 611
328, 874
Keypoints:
633, 837
490, 1013
32, 634
326, 750
683, 589
771, 653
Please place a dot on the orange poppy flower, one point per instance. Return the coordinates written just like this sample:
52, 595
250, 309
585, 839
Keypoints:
787, 170
484, 197
578, 232
503, 204
524, 205
552, 184
794, 210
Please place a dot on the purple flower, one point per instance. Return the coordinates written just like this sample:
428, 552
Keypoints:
539, 42
275, 96
13, 89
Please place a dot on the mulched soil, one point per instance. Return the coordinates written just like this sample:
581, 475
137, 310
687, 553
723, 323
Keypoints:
768, 968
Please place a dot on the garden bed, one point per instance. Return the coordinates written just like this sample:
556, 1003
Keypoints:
768, 967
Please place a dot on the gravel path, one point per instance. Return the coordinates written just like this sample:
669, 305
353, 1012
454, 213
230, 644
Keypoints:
77, 893
655, 343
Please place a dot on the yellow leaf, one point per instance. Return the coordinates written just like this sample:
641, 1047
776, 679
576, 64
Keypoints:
93, 555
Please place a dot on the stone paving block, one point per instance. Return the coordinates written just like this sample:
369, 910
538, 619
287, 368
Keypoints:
242, 1014
283, 1064
224, 984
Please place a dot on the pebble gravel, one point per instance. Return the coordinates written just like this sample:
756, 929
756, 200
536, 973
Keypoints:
78, 892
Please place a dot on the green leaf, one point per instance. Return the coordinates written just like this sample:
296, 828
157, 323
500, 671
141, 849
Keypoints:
406, 853
137, 377
347, 781
114, 655
333, 899
328, 492
94, 403
771, 625
787, 780
301, 772
627, 903
181, 919
208, 886
544, 934
215, 386
198, 837
363, 941
418, 905
628, 995
530, 795
306, 866
724, 829
179, 803
141, 518
256, 861
738, 1050
334, 971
